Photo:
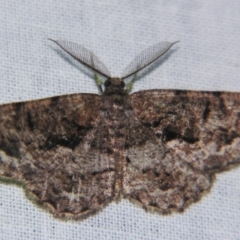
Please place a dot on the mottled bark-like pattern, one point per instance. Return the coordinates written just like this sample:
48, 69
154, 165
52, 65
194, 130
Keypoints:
159, 148
193, 136
58, 148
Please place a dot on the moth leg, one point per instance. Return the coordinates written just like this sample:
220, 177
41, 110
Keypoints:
130, 84
98, 82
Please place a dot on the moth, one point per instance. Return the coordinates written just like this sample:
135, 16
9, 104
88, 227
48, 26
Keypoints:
159, 148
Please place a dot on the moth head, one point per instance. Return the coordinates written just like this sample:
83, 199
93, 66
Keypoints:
114, 85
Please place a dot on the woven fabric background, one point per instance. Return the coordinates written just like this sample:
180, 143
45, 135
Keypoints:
31, 67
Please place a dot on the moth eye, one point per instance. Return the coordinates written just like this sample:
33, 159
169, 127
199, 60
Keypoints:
107, 83
122, 84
